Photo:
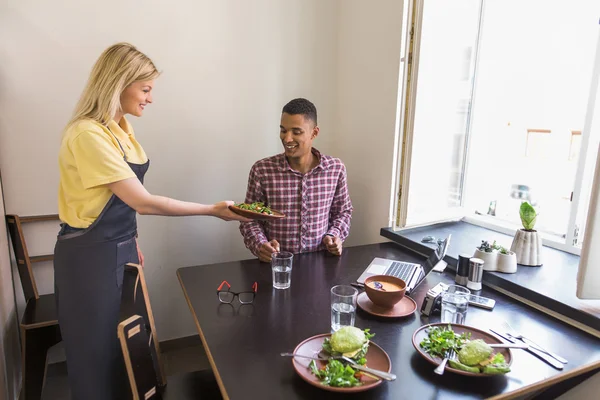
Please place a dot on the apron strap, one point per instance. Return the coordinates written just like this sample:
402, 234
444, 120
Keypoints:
119, 143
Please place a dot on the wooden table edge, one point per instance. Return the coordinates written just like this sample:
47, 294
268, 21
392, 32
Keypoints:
204, 344
546, 382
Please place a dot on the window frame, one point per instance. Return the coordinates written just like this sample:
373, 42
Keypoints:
406, 118
405, 129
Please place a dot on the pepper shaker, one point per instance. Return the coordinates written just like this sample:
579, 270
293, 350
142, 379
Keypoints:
475, 273
462, 270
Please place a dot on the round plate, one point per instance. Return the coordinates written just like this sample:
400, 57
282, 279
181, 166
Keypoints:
376, 358
403, 308
421, 334
255, 215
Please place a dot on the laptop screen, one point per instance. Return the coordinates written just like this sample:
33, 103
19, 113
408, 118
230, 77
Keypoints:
438, 254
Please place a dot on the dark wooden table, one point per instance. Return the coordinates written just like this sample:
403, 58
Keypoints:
243, 342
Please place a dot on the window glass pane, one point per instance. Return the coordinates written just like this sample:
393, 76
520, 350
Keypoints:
444, 84
591, 152
531, 95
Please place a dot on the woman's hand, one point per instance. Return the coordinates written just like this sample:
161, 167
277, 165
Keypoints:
221, 210
140, 255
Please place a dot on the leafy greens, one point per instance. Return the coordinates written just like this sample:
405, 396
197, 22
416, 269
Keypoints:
442, 340
335, 374
258, 207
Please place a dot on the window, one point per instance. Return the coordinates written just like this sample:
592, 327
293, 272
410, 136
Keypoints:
433, 162
575, 145
538, 144
493, 116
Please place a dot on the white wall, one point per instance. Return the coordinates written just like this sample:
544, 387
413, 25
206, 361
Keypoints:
229, 67
369, 38
10, 354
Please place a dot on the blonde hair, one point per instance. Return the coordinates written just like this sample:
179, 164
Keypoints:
117, 67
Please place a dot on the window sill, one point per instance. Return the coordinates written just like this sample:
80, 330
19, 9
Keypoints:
551, 286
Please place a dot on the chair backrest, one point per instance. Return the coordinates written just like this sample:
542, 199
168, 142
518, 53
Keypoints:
138, 359
22, 257
136, 301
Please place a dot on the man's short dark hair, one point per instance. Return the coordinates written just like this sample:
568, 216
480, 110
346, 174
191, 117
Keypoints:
303, 107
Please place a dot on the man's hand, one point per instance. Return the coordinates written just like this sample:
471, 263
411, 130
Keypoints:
265, 251
333, 244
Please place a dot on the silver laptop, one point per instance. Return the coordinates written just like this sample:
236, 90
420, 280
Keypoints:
410, 273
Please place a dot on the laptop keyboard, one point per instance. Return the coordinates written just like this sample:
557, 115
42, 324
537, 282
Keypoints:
400, 270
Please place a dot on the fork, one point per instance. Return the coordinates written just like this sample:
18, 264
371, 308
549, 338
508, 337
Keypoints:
512, 333
380, 374
377, 373
440, 368
317, 357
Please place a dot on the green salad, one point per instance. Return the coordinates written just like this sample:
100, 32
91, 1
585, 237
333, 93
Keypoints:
258, 207
350, 342
442, 340
473, 355
335, 374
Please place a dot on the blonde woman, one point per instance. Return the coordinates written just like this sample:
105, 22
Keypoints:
102, 168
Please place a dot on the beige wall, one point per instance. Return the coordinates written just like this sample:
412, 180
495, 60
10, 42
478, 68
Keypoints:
369, 38
587, 390
10, 367
228, 68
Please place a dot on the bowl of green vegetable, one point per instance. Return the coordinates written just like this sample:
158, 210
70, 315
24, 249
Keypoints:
473, 355
336, 375
257, 210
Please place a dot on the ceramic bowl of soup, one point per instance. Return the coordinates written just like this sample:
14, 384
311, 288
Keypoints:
385, 290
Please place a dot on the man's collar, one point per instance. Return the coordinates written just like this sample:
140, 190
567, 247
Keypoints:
323, 163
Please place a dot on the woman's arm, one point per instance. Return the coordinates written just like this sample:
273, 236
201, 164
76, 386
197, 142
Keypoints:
134, 194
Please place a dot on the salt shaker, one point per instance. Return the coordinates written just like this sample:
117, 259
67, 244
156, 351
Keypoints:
462, 270
475, 273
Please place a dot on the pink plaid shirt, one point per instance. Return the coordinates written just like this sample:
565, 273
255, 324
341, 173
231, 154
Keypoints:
315, 204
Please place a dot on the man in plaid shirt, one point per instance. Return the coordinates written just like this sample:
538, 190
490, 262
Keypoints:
308, 187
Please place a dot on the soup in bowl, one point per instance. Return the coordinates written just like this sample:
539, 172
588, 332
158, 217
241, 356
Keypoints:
385, 290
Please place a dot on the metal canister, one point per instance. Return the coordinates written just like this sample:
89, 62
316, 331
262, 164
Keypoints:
462, 270
475, 273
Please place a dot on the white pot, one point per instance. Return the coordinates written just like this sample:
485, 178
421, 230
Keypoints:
507, 263
490, 262
528, 247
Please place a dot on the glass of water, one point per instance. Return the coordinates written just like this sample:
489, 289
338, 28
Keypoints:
343, 306
455, 302
281, 265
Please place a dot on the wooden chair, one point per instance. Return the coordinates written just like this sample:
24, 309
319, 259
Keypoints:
39, 325
136, 345
136, 301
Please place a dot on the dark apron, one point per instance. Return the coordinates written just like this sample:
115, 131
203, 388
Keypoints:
88, 277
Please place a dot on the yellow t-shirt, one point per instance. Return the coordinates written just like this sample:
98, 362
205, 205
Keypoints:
89, 159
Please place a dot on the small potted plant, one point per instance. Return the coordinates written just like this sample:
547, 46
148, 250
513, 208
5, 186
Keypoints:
488, 254
507, 260
527, 243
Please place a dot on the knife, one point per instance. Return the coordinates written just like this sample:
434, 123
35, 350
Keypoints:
538, 347
542, 356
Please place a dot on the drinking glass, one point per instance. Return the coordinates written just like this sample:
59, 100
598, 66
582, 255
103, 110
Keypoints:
455, 302
343, 306
281, 265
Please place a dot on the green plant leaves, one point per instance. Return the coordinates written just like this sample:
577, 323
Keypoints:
528, 215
